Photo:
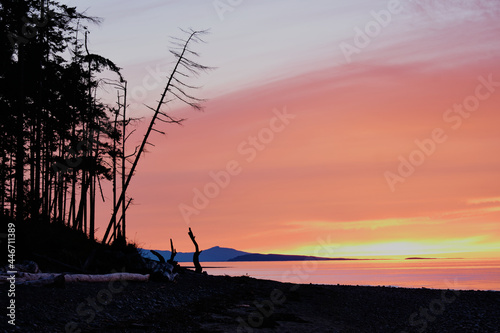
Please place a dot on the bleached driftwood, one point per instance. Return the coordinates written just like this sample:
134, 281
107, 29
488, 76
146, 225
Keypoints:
50, 278
106, 277
23, 276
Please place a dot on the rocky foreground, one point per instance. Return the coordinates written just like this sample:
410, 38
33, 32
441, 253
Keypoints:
201, 303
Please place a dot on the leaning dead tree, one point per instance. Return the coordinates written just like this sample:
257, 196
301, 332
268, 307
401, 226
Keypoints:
196, 254
177, 87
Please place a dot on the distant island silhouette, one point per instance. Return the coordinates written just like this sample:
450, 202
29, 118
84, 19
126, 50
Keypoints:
281, 257
218, 254
418, 258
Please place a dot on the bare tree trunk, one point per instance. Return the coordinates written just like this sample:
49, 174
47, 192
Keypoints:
46, 181
124, 160
79, 223
116, 231
3, 181
38, 172
92, 206
33, 195
93, 178
65, 202
60, 195
196, 254
11, 190
114, 160
173, 252
72, 205
20, 141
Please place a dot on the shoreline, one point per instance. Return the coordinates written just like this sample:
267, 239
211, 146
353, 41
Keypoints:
349, 285
208, 303
443, 274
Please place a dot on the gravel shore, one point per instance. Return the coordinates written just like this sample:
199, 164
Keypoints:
201, 303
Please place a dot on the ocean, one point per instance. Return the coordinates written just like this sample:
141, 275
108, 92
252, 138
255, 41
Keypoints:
463, 274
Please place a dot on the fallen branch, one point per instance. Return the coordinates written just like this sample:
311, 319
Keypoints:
45, 280
106, 277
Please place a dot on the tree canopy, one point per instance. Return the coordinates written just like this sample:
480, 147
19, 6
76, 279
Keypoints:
56, 135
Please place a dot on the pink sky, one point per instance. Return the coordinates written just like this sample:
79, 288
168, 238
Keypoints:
320, 176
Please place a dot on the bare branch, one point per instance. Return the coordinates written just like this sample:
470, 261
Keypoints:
186, 85
192, 104
186, 95
159, 256
158, 132
126, 138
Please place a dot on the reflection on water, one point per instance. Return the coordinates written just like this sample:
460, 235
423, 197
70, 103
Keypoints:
439, 273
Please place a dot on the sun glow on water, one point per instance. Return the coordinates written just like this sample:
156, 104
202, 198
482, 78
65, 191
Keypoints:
463, 274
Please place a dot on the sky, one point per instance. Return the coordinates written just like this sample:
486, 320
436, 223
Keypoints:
331, 128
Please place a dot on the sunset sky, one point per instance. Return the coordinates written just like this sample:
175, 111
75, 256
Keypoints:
331, 128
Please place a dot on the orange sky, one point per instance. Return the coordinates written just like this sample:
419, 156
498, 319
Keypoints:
323, 175
316, 183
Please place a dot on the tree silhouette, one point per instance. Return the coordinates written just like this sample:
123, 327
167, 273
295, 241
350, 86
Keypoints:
196, 254
54, 131
59, 142
177, 87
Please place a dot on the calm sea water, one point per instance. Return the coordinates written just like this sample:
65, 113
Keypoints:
462, 274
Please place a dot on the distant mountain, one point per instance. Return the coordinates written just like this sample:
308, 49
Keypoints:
216, 253
279, 257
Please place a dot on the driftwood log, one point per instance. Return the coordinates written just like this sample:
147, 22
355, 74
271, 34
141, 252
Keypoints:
40, 279
196, 254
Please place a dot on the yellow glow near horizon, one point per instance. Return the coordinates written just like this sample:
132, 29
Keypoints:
470, 248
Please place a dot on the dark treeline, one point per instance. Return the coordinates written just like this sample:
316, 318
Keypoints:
58, 141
